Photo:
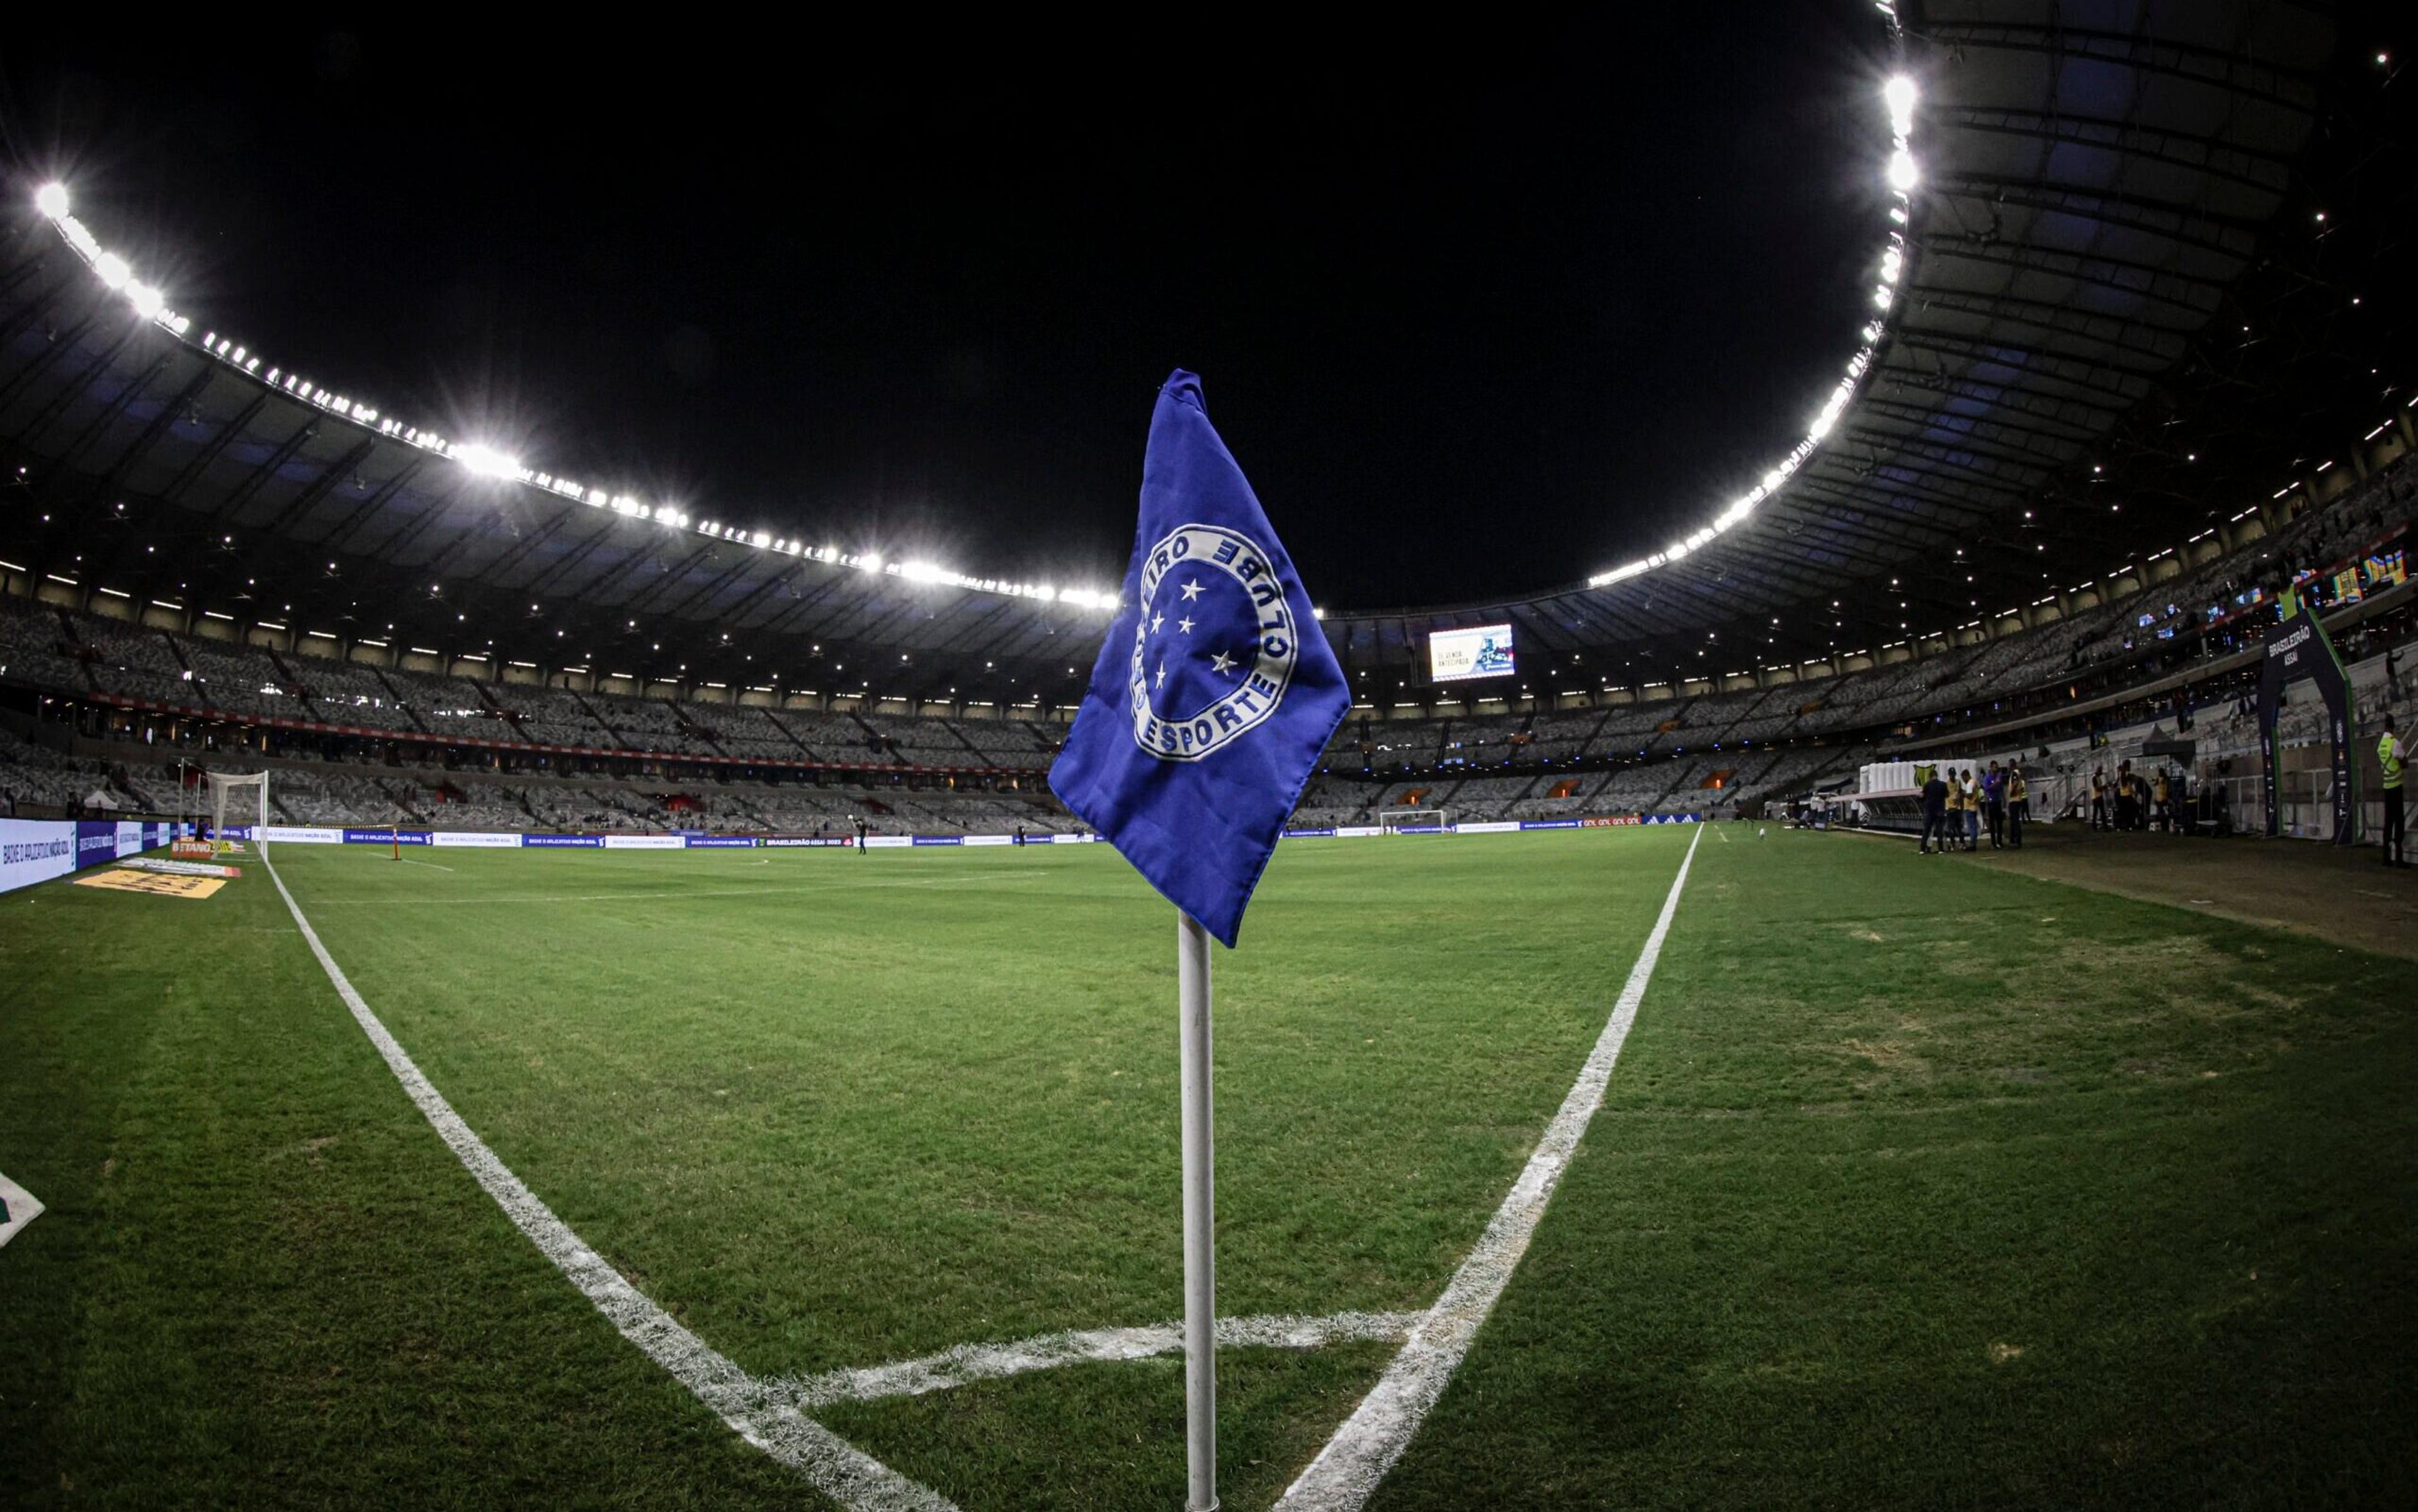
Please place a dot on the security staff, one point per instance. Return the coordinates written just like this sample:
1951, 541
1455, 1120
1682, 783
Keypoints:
2099, 798
2388, 756
2019, 805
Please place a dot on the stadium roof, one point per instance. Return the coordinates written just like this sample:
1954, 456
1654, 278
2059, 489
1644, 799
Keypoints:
2144, 272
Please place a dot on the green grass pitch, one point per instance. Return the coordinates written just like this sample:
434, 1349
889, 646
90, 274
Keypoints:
1917, 1183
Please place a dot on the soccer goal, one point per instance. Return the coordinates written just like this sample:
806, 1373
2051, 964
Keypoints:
1414, 820
240, 801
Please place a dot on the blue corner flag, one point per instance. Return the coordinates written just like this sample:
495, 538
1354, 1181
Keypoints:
1215, 690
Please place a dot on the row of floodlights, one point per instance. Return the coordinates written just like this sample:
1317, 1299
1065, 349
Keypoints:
1900, 95
111, 270
484, 461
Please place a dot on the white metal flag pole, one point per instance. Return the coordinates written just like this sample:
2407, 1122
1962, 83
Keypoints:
1200, 1221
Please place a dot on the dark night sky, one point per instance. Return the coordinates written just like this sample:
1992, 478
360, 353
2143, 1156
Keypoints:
1479, 310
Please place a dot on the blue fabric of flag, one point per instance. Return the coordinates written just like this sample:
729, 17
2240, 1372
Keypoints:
1216, 689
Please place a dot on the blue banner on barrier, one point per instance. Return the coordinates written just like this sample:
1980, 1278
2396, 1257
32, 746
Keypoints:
564, 841
95, 841
803, 841
718, 842
1549, 824
1307, 834
1672, 818
939, 839
381, 837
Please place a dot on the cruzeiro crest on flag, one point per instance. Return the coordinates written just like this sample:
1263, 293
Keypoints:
1215, 647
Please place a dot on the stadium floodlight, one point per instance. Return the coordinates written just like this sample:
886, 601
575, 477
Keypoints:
148, 300
111, 270
51, 200
1899, 94
486, 462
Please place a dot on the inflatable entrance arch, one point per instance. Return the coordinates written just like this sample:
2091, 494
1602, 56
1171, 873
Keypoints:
2298, 650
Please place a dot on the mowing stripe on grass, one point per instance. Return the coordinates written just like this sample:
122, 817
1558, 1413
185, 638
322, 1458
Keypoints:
831, 1464
1347, 1470
1046, 1352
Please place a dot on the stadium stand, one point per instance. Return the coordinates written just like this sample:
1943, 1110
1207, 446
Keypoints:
1704, 751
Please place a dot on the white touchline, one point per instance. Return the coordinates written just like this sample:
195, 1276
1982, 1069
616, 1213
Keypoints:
831, 1464
1048, 1352
430, 864
1347, 1470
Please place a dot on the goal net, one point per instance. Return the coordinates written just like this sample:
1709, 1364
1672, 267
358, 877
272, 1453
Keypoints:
240, 801
1414, 820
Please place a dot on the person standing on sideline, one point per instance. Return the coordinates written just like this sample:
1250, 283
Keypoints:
1993, 805
2099, 798
2018, 805
1934, 814
860, 832
1972, 812
2389, 756
2163, 795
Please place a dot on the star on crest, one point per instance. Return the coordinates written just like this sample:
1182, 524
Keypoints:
1192, 589
1156, 621
1221, 662
1184, 625
1162, 675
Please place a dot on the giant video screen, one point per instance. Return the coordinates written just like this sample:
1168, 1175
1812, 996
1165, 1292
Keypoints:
1480, 651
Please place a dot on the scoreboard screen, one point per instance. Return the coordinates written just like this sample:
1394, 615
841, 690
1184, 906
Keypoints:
1480, 651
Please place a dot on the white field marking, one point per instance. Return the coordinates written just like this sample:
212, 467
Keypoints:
408, 861
1724, 833
831, 1464
1347, 1470
1046, 1352
21, 1208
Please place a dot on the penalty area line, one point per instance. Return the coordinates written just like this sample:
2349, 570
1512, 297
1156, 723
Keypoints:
1347, 1470
830, 1464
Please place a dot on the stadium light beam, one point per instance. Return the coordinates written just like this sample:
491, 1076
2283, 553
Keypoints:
486, 462
51, 200
1900, 95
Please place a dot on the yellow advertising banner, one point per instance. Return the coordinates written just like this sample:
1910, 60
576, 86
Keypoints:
154, 883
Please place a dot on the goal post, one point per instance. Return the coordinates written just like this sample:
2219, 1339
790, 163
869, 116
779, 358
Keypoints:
238, 800
1414, 820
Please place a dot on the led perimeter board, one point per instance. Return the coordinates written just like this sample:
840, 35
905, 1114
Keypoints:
1479, 651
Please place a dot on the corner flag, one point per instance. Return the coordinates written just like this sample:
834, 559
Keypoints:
1212, 698
1215, 690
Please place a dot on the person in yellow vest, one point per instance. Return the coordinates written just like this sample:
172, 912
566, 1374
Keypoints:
2388, 756
2162, 798
2019, 804
1972, 812
2099, 798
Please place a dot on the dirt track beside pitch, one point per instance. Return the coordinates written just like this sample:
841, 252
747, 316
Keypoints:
2347, 895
